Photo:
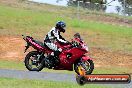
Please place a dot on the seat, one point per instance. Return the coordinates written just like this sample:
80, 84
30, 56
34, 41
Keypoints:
40, 43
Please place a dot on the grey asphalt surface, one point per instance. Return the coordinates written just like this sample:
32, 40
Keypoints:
50, 76
37, 75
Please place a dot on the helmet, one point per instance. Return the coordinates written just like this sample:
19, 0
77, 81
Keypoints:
60, 25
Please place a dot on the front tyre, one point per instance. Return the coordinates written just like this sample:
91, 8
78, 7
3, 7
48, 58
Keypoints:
32, 62
80, 80
87, 66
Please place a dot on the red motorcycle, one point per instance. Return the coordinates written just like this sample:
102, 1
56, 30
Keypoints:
72, 57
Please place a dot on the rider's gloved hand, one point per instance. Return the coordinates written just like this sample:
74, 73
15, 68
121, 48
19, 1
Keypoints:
68, 42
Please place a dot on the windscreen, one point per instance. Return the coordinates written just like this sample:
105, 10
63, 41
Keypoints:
77, 35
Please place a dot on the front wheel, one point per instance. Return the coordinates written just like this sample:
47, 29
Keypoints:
32, 62
85, 67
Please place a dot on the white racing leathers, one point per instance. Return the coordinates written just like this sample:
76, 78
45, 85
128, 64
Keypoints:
53, 36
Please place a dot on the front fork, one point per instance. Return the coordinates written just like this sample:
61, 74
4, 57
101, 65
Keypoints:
80, 65
81, 70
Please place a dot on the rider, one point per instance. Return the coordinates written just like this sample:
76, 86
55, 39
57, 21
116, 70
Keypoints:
53, 36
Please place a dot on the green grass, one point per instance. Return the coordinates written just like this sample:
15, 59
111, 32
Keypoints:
26, 83
13, 18
14, 65
112, 70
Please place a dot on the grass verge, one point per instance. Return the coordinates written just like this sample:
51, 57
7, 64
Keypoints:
12, 65
26, 83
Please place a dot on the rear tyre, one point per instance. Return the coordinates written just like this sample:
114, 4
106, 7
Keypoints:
31, 62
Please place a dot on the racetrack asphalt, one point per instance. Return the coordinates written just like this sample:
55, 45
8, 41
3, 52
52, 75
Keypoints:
19, 74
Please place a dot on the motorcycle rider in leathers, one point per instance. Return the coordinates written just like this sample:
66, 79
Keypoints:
53, 36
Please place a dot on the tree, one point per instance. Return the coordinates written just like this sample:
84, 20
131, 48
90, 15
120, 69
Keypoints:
92, 5
127, 5
91, 1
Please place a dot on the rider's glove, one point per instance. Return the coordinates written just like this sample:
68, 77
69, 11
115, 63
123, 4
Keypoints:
68, 42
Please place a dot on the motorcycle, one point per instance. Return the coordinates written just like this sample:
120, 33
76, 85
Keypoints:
72, 57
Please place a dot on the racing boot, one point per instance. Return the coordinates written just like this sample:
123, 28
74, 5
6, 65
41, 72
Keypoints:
48, 61
56, 57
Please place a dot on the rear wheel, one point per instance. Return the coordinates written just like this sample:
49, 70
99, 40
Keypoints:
32, 62
84, 68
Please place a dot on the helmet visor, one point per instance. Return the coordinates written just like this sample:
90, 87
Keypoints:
63, 29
